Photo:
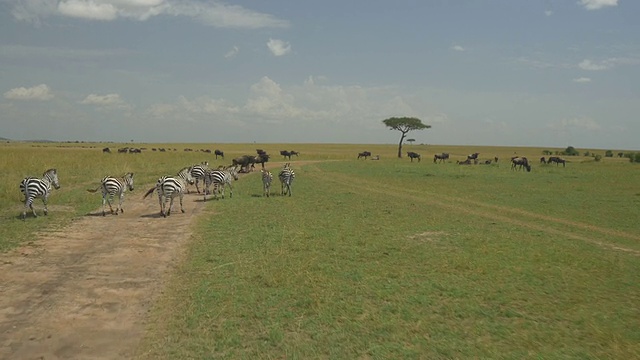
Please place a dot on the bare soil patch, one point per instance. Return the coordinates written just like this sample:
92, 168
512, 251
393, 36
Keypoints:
83, 292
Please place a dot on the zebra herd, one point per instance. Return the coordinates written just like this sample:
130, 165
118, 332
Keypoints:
167, 187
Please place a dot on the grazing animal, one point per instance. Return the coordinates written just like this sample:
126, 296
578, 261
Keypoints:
286, 154
198, 172
219, 153
518, 163
466, 162
220, 178
33, 188
557, 160
260, 159
473, 156
542, 160
440, 157
112, 186
495, 159
294, 153
170, 187
106, 150
244, 162
267, 178
286, 176
414, 155
364, 154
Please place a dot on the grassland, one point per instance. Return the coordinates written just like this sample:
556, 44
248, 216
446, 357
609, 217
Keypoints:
383, 259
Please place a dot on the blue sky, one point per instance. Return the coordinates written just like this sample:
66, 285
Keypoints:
496, 72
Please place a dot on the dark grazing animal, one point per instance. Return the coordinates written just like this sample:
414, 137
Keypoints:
286, 154
244, 161
112, 187
557, 160
170, 187
414, 155
466, 162
440, 157
219, 153
364, 154
106, 150
542, 160
518, 163
33, 188
473, 156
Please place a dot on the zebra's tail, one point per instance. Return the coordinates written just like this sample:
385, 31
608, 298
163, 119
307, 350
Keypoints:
93, 190
149, 192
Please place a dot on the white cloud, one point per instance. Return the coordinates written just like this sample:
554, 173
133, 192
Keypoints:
548, 13
592, 66
88, 10
457, 48
108, 101
209, 13
576, 123
39, 92
278, 47
232, 53
597, 4
582, 80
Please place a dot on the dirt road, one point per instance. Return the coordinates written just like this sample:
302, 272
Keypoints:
83, 292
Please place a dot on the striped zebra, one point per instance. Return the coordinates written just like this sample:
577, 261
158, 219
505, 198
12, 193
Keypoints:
219, 179
198, 172
267, 177
286, 177
168, 187
112, 186
33, 188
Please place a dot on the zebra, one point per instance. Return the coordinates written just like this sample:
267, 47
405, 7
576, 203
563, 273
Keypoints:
267, 177
198, 173
168, 187
33, 188
286, 177
112, 186
219, 178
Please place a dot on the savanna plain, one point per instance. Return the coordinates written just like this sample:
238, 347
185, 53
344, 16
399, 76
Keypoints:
368, 259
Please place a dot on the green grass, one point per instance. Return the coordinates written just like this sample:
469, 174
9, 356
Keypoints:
400, 260
379, 259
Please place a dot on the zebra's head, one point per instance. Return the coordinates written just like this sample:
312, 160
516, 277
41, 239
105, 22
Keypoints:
52, 176
128, 179
186, 175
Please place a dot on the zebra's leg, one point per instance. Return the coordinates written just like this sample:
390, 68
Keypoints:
110, 199
161, 202
230, 190
104, 201
197, 188
120, 203
181, 207
45, 199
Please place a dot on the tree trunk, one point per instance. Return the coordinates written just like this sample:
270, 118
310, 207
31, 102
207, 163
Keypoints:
400, 145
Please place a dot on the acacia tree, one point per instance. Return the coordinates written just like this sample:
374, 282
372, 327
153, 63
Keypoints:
404, 125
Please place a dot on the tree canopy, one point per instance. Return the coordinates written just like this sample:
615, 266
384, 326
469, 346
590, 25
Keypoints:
404, 125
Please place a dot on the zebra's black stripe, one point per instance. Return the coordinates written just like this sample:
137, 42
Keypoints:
286, 177
219, 179
112, 187
33, 188
170, 187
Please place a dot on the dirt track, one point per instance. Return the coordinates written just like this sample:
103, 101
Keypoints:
83, 292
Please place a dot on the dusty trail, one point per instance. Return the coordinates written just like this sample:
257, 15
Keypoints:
83, 292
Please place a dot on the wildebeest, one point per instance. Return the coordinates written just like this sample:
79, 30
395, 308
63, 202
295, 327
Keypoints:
543, 160
294, 153
518, 163
557, 160
106, 150
473, 156
244, 162
364, 154
440, 157
286, 154
219, 152
414, 155
260, 152
466, 162
260, 159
